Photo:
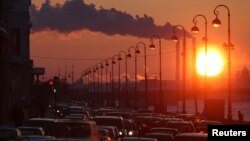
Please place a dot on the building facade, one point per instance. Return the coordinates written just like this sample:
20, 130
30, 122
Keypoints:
15, 62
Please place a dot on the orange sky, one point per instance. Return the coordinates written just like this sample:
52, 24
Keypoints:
89, 46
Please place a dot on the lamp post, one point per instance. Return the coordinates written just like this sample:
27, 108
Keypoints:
112, 79
94, 81
101, 85
106, 84
177, 73
89, 84
195, 30
88, 72
175, 39
126, 73
152, 46
98, 83
129, 55
145, 71
85, 76
216, 23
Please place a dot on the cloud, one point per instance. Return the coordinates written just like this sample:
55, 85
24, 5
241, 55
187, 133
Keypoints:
75, 15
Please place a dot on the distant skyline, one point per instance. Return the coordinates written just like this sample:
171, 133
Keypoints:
83, 48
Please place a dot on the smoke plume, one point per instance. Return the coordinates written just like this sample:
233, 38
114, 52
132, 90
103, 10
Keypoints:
75, 15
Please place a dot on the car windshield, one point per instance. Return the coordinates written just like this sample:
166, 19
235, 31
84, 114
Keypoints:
110, 122
26, 132
73, 130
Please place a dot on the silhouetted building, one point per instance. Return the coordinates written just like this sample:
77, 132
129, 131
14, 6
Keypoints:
242, 78
15, 55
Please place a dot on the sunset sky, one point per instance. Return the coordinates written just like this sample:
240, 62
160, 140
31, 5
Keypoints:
64, 40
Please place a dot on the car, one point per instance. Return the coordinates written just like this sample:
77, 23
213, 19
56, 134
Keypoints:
171, 131
160, 136
182, 126
116, 121
203, 125
145, 123
113, 131
163, 122
131, 127
104, 134
191, 137
35, 138
138, 139
125, 115
47, 124
9, 133
26, 131
66, 128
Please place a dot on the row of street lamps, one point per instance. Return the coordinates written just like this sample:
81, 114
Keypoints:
194, 29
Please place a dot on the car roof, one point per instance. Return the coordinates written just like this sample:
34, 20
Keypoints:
110, 117
192, 134
42, 119
138, 139
75, 121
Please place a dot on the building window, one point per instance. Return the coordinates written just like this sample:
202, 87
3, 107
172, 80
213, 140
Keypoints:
15, 40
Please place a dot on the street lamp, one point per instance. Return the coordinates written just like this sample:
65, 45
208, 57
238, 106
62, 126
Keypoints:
84, 79
106, 84
101, 87
94, 81
145, 71
195, 30
98, 78
216, 23
88, 79
175, 39
129, 55
112, 78
152, 46
126, 75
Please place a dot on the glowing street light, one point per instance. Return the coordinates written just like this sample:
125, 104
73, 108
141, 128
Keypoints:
126, 74
195, 30
152, 46
129, 55
112, 79
175, 40
216, 23
138, 45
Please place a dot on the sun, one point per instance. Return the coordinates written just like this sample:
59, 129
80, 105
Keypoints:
213, 63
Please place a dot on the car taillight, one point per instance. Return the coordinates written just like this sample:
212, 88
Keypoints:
144, 125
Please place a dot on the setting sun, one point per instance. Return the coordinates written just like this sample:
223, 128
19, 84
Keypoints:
213, 65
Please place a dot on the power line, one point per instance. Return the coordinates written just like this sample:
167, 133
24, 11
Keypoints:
87, 59
59, 58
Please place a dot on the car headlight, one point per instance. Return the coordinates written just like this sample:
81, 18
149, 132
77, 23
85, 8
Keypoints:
120, 133
130, 133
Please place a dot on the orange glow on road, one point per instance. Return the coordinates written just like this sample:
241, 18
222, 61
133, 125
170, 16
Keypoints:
213, 63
